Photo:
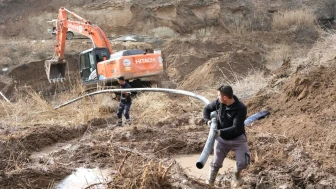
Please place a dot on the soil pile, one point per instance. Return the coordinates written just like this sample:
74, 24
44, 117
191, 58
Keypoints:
301, 128
219, 42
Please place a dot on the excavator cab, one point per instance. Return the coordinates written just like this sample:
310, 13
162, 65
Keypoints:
88, 62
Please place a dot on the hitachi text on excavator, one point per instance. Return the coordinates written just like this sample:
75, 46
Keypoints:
99, 65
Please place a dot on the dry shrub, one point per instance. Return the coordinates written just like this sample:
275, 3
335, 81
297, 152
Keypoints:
246, 87
323, 52
241, 26
140, 172
30, 108
153, 108
107, 104
277, 55
293, 18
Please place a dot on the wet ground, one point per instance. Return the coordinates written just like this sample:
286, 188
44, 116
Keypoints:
188, 163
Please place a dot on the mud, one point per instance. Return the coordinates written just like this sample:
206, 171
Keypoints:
187, 162
203, 44
83, 178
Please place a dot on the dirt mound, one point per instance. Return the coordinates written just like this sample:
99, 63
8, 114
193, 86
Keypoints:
198, 63
309, 93
227, 68
282, 162
302, 110
33, 75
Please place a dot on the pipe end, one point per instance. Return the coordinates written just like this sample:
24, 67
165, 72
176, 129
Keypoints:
199, 165
213, 114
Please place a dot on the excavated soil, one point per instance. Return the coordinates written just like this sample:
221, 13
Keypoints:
203, 43
301, 126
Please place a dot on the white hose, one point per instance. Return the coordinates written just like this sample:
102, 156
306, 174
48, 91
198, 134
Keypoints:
175, 91
3, 96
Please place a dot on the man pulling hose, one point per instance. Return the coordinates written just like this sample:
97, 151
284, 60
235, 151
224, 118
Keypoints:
230, 132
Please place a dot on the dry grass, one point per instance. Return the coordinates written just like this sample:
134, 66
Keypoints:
323, 52
248, 86
153, 108
293, 18
204, 32
277, 55
241, 26
30, 108
26, 110
164, 32
138, 171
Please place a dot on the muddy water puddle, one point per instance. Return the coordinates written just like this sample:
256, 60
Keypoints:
188, 163
83, 178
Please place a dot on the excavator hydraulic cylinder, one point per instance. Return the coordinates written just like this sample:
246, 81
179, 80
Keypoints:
55, 70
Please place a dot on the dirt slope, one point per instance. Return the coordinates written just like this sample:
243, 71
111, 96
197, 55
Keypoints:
301, 125
204, 43
153, 17
304, 108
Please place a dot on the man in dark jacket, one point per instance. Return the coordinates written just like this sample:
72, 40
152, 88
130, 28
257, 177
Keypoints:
230, 132
125, 102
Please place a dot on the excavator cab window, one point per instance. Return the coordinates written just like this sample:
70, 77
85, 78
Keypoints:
88, 62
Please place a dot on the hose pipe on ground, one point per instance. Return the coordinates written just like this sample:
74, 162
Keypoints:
174, 91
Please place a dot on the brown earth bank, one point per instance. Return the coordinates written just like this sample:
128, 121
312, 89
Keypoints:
303, 111
204, 44
190, 63
148, 17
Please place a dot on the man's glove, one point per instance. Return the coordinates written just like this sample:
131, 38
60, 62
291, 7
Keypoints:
209, 123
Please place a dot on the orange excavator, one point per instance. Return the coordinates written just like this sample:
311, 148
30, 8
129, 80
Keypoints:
99, 65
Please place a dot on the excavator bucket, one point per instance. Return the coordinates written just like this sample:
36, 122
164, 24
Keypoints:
55, 70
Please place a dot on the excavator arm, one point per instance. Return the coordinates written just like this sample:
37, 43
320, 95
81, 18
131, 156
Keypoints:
56, 67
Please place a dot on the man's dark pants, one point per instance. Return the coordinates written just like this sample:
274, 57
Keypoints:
124, 107
238, 145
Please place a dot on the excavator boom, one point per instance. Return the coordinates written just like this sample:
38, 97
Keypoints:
99, 65
56, 67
